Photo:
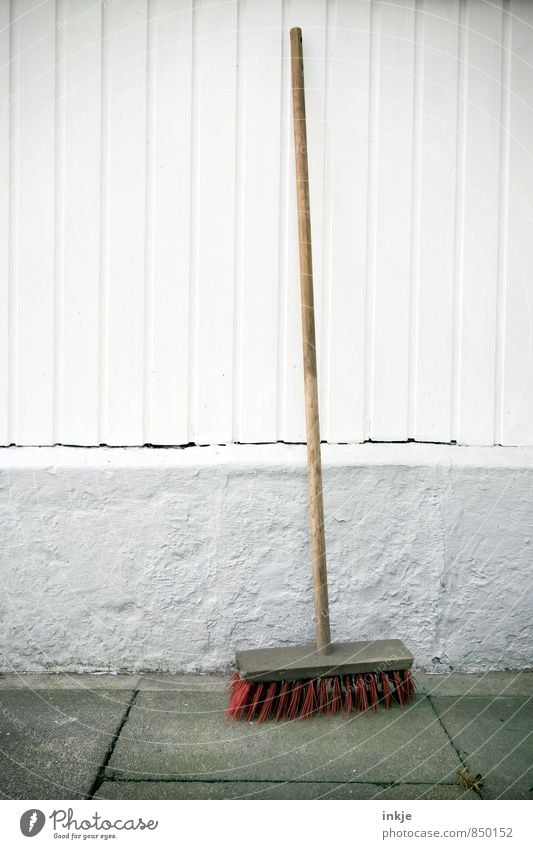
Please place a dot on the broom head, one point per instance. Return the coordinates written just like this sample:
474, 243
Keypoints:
298, 682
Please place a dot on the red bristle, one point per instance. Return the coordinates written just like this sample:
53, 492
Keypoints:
336, 697
267, 703
246, 696
398, 688
283, 698
294, 704
256, 698
323, 696
348, 698
235, 686
240, 692
309, 702
233, 680
408, 684
385, 686
362, 699
373, 692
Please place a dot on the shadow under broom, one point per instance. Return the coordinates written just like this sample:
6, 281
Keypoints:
300, 681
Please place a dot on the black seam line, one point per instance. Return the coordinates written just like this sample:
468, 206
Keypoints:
95, 786
276, 781
184, 445
456, 750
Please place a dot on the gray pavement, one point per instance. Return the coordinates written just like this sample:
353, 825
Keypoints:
165, 737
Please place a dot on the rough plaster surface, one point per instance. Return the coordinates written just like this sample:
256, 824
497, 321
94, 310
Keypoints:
170, 559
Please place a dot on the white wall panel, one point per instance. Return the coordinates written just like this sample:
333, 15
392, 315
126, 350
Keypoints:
216, 38
170, 46
345, 220
5, 109
79, 128
122, 342
32, 303
391, 191
291, 425
258, 203
517, 390
148, 257
436, 140
479, 256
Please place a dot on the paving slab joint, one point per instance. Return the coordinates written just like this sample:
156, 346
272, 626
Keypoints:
452, 743
334, 782
100, 776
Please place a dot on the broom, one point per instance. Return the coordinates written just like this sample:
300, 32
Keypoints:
299, 681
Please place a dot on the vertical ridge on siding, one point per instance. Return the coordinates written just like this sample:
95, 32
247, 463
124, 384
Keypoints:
462, 58
103, 239
78, 249
292, 427
149, 225
311, 18
238, 245
192, 362
345, 216
393, 235
327, 206
431, 370
518, 363
414, 261
320, 187
324, 340
284, 75
168, 223
216, 219
34, 28
258, 200
372, 213
13, 225
5, 147
126, 225
480, 224
288, 240
503, 230
59, 225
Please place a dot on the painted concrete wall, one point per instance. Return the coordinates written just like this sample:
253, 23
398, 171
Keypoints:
171, 559
148, 257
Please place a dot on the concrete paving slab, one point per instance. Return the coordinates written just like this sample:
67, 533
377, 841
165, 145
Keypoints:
495, 738
52, 742
67, 681
453, 684
185, 735
186, 682
272, 790
483, 684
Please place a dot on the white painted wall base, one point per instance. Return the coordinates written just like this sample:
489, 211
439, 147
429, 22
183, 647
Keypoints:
168, 559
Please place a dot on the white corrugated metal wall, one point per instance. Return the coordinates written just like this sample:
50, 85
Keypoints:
149, 289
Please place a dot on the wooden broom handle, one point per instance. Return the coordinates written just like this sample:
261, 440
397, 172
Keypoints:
314, 462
